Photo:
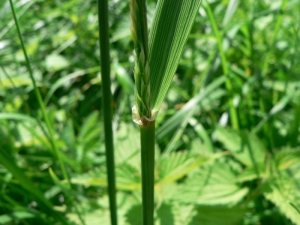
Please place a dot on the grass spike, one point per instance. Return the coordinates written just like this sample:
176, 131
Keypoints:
139, 32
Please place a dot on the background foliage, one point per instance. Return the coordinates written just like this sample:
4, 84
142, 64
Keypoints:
207, 171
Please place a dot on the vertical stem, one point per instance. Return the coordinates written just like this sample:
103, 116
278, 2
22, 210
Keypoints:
279, 19
232, 110
147, 156
39, 98
268, 125
43, 109
106, 106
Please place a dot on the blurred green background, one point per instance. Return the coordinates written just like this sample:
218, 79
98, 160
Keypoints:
207, 171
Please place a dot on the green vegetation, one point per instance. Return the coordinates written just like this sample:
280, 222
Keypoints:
107, 109
227, 141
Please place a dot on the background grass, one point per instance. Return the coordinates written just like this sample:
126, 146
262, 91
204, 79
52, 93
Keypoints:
208, 170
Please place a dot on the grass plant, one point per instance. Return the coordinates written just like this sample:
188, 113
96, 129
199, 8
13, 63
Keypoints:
38, 96
153, 75
216, 95
142, 113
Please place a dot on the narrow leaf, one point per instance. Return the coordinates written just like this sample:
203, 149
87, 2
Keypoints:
170, 29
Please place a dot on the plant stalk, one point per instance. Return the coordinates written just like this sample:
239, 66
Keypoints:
106, 106
229, 86
148, 162
39, 98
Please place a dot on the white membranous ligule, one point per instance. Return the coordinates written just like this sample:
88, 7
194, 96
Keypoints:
141, 120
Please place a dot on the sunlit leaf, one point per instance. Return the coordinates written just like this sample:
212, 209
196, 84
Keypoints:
56, 62
211, 185
174, 166
284, 192
218, 215
169, 32
246, 147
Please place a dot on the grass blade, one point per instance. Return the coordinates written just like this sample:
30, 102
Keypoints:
176, 119
171, 27
228, 83
38, 96
280, 105
28, 185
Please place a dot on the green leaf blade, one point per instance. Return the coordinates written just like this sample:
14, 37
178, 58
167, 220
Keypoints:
172, 23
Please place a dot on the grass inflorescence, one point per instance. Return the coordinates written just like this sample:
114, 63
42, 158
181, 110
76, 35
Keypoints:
224, 78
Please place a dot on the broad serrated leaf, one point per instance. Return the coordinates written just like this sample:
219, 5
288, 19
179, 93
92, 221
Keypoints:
211, 185
127, 145
245, 147
176, 165
101, 213
170, 29
218, 215
252, 173
128, 177
134, 215
165, 214
183, 213
287, 158
284, 160
285, 194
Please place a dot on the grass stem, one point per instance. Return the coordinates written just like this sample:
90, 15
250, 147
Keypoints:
106, 106
148, 162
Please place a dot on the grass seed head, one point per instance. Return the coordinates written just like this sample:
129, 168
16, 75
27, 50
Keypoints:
139, 32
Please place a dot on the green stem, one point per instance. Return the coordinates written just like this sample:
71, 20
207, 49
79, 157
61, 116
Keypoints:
106, 106
270, 53
39, 98
148, 162
228, 83
265, 68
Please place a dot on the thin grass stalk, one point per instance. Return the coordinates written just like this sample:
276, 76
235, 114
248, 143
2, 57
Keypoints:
39, 98
142, 113
42, 107
148, 163
268, 126
106, 106
279, 19
233, 112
